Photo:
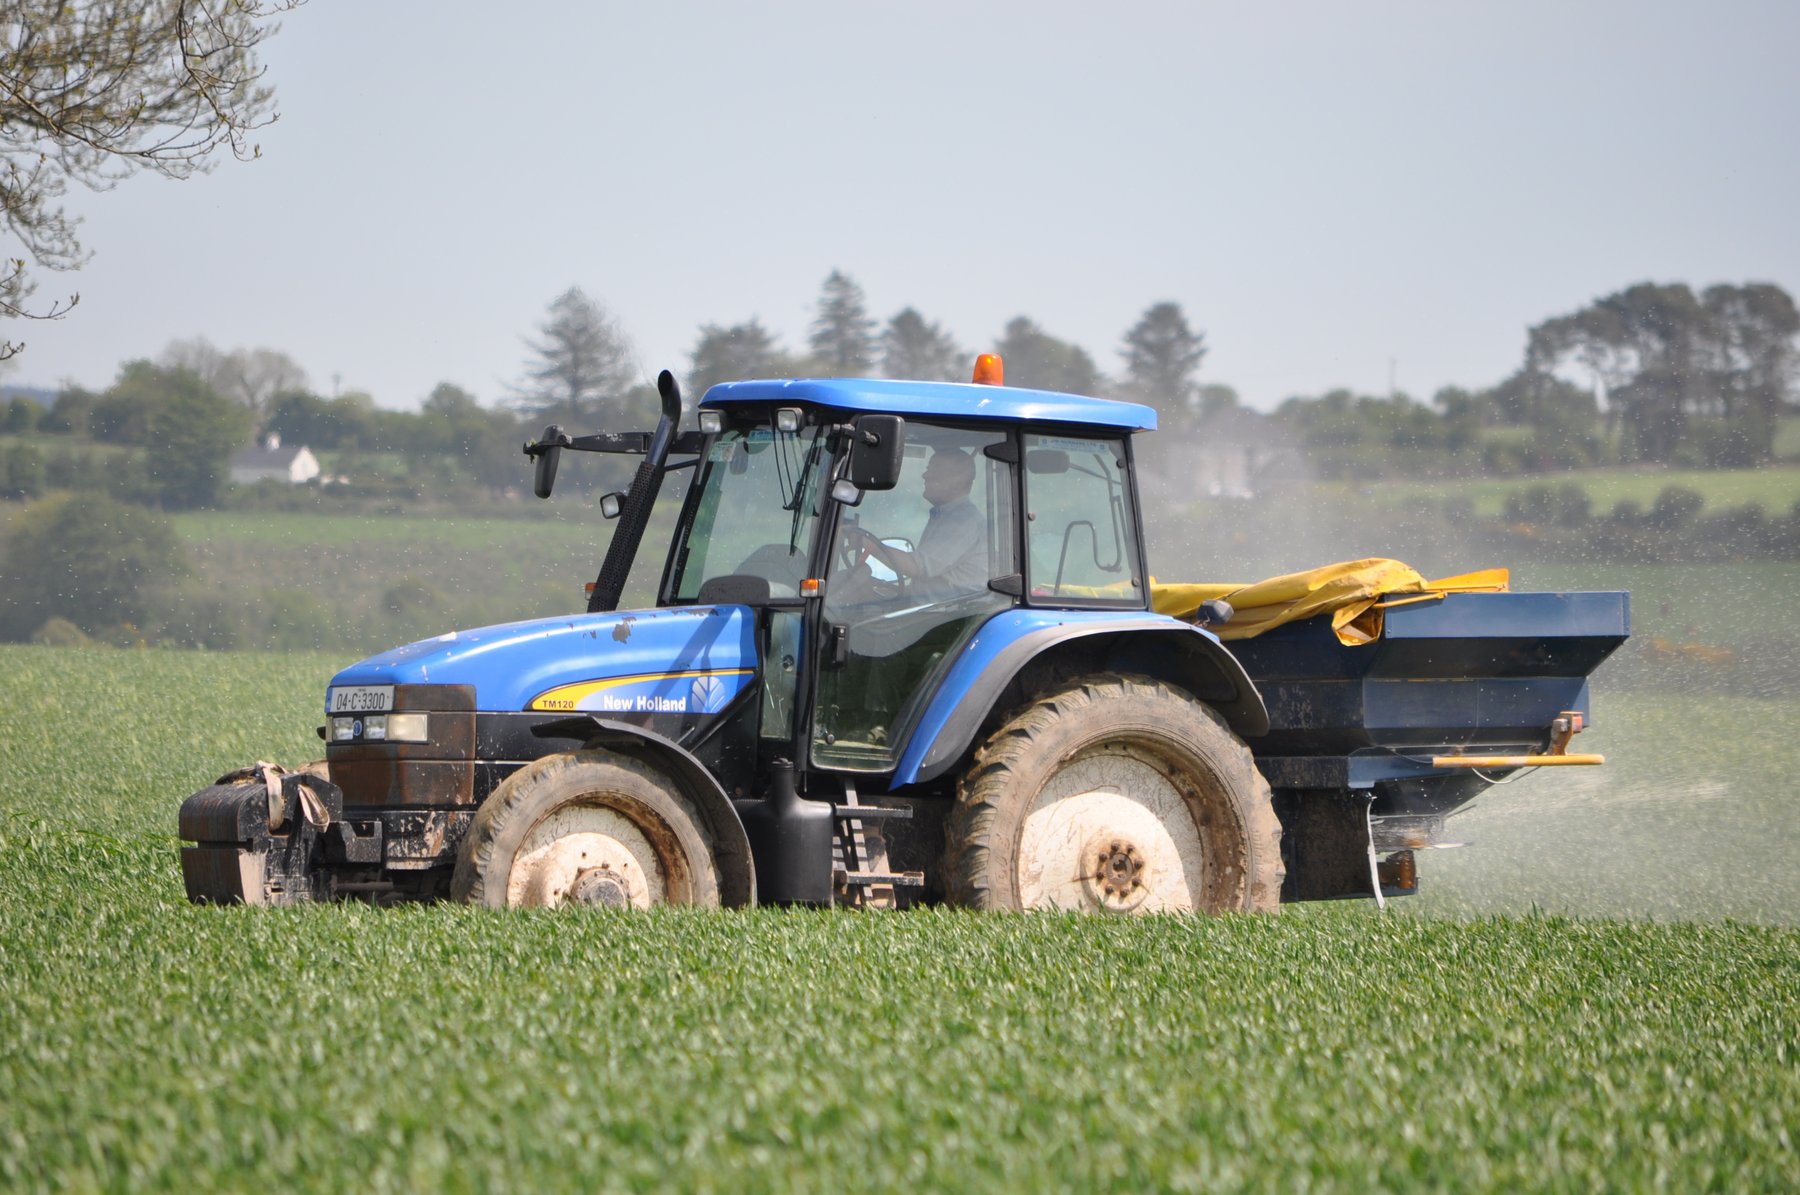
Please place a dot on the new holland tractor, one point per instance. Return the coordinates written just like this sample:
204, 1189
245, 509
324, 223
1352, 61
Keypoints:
905, 648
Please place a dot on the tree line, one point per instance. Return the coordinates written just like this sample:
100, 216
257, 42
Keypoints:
581, 368
1654, 373
176, 420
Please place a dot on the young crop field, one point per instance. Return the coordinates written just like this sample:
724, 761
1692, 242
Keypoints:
1775, 489
1692, 817
372, 581
1706, 634
306, 529
147, 1044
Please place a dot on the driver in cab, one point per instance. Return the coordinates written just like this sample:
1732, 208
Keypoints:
951, 555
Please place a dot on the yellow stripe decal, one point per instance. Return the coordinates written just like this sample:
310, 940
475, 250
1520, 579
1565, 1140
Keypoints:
569, 697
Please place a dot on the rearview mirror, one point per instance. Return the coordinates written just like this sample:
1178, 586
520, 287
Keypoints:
1046, 460
549, 455
875, 452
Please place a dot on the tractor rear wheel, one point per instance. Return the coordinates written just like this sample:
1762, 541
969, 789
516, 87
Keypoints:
1115, 794
588, 828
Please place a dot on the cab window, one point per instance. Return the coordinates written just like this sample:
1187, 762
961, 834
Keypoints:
1080, 523
758, 505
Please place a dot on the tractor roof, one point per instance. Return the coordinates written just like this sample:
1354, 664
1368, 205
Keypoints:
955, 400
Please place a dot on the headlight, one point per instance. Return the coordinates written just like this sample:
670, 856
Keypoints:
712, 422
406, 728
379, 728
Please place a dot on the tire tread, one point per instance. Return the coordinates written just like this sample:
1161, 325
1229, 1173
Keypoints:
987, 792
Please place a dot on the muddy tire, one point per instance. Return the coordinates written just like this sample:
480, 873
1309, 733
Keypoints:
1117, 794
589, 827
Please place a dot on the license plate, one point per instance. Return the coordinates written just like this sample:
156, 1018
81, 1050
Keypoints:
360, 699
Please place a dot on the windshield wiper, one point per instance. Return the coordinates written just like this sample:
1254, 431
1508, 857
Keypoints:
797, 503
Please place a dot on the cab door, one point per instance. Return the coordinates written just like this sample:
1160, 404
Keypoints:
909, 581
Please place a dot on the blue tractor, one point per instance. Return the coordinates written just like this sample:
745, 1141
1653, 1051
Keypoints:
904, 648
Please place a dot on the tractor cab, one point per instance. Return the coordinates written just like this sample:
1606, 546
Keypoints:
876, 527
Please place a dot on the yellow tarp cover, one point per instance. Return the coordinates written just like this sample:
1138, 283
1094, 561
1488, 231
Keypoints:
1355, 592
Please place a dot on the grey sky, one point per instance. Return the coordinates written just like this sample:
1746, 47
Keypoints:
1324, 187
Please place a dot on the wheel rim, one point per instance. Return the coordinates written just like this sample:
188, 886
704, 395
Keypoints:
594, 855
1110, 832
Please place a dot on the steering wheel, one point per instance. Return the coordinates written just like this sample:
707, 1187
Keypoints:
852, 546
855, 547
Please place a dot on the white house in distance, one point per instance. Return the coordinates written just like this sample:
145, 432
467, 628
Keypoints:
269, 461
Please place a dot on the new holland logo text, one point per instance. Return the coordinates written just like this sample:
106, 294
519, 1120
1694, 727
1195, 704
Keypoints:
693, 693
643, 703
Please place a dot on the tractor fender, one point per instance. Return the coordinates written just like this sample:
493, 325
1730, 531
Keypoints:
730, 845
1177, 652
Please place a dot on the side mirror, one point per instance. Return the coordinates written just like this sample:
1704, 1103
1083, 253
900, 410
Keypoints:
875, 452
549, 455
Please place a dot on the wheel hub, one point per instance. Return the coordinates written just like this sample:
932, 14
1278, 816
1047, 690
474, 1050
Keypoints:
586, 856
599, 886
1109, 832
1118, 880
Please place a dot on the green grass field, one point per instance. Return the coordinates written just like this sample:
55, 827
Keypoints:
1691, 817
451, 572
147, 1044
1787, 439
1776, 489
306, 529
463, 572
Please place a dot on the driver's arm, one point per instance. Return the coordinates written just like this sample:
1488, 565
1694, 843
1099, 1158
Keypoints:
906, 564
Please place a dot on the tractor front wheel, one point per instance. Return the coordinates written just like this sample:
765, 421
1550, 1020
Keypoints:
588, 828
1116, 794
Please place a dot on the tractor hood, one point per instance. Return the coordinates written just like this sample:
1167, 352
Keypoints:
691, 659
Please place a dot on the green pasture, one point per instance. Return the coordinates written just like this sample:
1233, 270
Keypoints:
1706, 635
397, 529
1776, 489
384, 580
1730, 605
1472, 1039
369, 581
1693, 816
1787, 439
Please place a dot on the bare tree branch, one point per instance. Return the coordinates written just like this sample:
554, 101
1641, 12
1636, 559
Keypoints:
94, 91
